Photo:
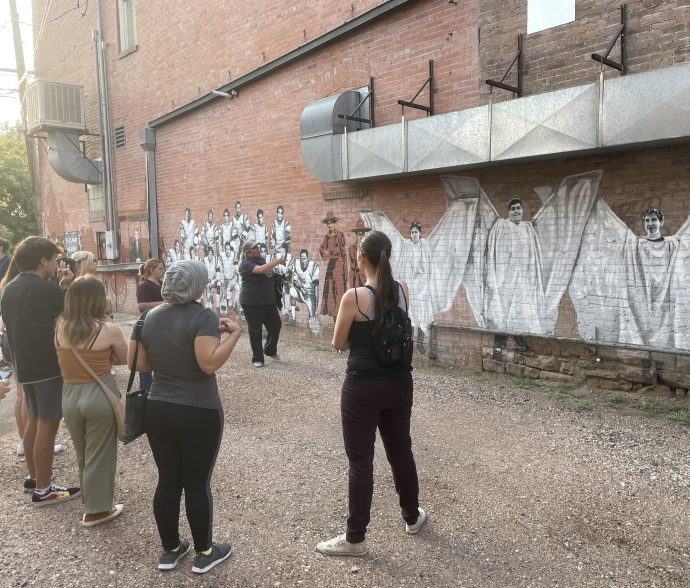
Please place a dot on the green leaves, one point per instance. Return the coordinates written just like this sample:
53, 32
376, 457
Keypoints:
16, 199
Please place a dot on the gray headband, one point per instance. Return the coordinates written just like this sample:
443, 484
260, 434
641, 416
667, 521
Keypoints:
184, 281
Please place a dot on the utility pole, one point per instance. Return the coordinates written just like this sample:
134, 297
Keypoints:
30, 146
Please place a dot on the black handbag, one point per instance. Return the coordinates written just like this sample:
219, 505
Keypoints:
135, 402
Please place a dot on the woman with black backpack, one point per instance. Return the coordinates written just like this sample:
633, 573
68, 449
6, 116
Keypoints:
372, 323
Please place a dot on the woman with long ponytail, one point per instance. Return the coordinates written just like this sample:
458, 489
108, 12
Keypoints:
374, 395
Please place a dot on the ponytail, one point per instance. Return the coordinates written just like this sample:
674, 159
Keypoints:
376, 247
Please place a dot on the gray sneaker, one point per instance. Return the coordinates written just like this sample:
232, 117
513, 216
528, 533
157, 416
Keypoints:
169, 559
219, 553
275, 357
341, 546
421, 519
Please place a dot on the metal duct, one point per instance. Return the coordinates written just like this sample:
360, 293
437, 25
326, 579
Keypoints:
66, 158
320, 131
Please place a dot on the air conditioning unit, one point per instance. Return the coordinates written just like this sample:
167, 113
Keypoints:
54, 106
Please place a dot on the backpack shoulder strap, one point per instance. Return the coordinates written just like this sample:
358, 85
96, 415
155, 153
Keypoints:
403, 293
357, 301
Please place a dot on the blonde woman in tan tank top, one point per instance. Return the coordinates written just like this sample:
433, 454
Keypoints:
88, 414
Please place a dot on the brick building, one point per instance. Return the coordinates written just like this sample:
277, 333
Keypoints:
580, 283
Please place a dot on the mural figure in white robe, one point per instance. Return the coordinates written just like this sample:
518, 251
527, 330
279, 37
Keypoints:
633, 289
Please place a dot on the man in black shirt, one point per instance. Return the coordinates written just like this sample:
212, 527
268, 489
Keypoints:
30, 305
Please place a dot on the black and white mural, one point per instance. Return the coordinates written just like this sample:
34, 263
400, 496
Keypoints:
624, 287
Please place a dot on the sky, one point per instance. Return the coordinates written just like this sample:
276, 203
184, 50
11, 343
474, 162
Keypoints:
9, 98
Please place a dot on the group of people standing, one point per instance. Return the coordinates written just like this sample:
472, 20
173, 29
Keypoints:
183, 343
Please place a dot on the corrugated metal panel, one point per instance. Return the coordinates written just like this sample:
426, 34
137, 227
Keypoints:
55, 106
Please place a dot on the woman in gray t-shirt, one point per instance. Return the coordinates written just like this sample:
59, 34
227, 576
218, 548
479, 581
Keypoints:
181, 344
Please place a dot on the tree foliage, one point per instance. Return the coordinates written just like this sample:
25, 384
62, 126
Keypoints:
17, 218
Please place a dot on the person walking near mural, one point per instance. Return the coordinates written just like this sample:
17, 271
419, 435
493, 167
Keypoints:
181, 343
281, 231
30, 305
149, 296
334, 254
189, 235
356, 276
374, 395
83, 331
5, 259
258, 300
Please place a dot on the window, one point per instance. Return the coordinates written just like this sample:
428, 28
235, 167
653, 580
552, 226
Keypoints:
128, 25
544, 14
95, 192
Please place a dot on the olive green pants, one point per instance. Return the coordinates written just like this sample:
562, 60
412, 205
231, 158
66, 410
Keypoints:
91, 423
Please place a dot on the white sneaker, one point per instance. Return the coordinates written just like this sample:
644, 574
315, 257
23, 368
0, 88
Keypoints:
421, 519
341, 546
258, 364
20, 448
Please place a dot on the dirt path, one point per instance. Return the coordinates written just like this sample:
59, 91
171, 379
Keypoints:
524, 486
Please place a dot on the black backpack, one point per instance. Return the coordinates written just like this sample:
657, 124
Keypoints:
394, 343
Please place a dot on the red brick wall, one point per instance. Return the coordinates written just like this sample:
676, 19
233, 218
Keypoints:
658, 35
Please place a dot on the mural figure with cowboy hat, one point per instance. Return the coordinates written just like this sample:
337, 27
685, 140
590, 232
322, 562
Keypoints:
334, 255
357, 279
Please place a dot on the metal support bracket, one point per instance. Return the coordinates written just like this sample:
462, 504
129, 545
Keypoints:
604, 59
500, 84
370, 97
428, 109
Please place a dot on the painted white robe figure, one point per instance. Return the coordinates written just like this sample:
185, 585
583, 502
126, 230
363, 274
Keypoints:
518, 271
632, 289
433, 267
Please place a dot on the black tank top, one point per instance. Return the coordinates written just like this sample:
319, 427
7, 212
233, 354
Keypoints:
363, 361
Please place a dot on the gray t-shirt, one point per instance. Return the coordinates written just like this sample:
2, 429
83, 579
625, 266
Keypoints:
168, 335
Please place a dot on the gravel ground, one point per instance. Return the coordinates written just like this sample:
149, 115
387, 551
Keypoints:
524, 487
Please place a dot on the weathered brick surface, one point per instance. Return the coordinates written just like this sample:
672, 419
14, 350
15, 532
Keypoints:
248, 149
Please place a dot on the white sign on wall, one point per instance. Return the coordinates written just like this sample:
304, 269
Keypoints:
544, 14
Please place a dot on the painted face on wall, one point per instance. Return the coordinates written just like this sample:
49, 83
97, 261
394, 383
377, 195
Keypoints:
515, 213
414, 234
227, 249
260, 218
280, 214
303, 260
187, 214
263, 250
653, 226
238, 209
226, 217
210, 216
136, 234
330, 225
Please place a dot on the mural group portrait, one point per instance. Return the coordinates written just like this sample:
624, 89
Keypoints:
515, 271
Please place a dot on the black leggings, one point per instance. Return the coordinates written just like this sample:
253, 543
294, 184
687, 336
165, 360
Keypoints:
184, 441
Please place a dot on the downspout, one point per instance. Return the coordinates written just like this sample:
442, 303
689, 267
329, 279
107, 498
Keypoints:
147, 141
104, 108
